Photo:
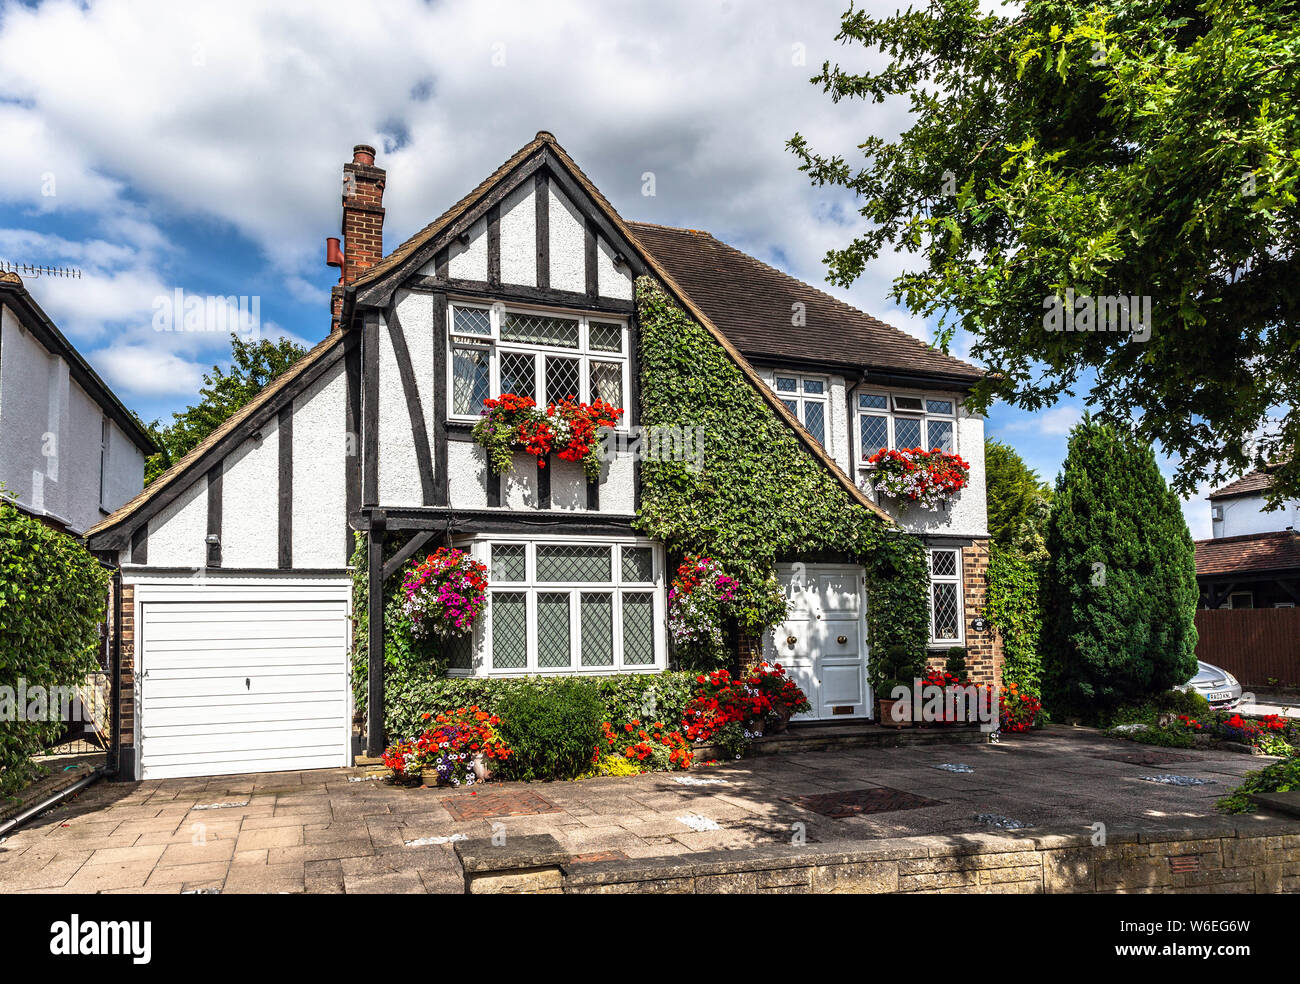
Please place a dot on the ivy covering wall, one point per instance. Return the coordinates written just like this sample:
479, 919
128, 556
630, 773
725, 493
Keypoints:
52, 600
1015, 606
760, 495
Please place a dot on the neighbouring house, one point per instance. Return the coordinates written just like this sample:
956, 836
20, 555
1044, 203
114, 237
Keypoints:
70, 452
1253, 559
1249, 576
236, 579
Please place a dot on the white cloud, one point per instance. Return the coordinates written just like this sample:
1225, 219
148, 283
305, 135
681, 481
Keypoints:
150, 371
1056, 421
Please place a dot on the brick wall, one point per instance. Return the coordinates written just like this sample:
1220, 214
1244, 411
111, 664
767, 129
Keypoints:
983, 649
363, 213
127, 690
1249, 857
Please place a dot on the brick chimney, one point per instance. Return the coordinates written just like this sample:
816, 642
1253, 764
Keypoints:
363, 219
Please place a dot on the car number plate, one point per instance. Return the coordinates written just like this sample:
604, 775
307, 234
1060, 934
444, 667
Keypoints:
1219, 695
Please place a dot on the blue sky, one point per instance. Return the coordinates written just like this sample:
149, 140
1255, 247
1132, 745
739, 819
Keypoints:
158, 146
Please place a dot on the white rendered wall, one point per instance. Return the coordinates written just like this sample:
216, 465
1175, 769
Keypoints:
250, 513
519, 237
1245, 514
50, 436
319, 472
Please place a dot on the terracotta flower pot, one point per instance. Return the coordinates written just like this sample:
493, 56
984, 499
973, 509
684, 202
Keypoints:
886, 716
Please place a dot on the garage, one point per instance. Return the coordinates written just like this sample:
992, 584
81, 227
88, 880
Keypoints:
242, 678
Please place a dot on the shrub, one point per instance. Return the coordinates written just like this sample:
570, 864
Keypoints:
1121, 582
551, 730
413, 689
1280, 777
1182, 702
52, 598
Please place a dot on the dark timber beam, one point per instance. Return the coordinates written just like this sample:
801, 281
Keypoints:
284, 442
412, 546
375, 739
214, 514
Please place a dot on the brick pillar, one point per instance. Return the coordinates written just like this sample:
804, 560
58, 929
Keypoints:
126, 692
983, 649
363, 213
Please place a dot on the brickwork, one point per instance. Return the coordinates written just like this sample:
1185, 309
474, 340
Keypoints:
363, 213
1263, 859
126, 693
983, 649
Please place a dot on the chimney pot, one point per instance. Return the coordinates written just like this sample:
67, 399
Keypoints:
363, 154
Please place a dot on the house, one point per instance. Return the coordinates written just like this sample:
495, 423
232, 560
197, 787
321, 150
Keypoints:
70, 452
235, 564
1253, 559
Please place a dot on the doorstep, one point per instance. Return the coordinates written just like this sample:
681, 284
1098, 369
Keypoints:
825, 737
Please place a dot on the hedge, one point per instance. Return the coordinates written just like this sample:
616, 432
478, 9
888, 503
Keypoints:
52, 601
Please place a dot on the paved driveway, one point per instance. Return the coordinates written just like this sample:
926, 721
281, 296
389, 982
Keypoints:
336, 831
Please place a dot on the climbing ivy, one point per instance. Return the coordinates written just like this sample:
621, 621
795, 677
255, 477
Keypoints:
1015, 606
758, 495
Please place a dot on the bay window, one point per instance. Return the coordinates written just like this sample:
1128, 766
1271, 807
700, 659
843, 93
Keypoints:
568, 607
543, 355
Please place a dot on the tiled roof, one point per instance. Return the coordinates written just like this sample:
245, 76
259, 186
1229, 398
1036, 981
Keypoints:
1256, 481
1249, 553
753, 303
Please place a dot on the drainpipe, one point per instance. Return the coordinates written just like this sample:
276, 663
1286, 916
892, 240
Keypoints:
50, 801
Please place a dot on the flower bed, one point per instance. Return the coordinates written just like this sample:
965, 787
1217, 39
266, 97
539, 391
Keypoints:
731, 712
1269, 734
926, 477
444, 594
568, 429
1017, 711
458, 749
642, 748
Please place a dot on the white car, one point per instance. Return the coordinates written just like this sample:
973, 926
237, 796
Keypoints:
1216, 685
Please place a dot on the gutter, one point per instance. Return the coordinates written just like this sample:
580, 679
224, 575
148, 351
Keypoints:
50, 802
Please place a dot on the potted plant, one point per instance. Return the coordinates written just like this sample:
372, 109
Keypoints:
786, 697
892, 669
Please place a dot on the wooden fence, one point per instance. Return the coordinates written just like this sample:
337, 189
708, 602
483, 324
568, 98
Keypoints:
1255, 645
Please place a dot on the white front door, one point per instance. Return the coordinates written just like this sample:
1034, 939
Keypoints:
822, 642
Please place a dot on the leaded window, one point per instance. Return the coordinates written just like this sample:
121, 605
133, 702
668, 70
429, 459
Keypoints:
805, 397
946, 609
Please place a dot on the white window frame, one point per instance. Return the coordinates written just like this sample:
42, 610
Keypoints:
495, 346
956, 579
481, 645
891, 415
1248, 595
800, 398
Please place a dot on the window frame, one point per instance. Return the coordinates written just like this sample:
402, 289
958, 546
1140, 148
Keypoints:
891, 416
956, 579
801, 398
480, 547
496, 346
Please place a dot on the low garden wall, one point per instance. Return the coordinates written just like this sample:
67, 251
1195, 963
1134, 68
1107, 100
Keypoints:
1245, 857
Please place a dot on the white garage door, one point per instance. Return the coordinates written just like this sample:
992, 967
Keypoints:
243, 686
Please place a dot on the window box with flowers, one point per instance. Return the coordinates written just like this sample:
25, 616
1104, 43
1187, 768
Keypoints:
928, 478
566, 428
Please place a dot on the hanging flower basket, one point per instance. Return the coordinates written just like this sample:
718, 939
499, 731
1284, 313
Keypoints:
568, 429
930, 478
697, 601
444, 594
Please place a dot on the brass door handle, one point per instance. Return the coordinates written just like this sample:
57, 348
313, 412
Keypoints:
842, 640
790, 640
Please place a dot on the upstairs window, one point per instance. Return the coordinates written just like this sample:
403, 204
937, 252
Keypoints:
544, 355
899, 420
805, 396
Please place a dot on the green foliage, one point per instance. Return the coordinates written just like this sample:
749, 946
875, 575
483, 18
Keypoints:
551, 732
955, 662
894, 666
52, 599
1018, 502
253, 365
1014, 604
1121, 583
1280, 777
1164, 737
760, 496
1114, 147
410, 692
